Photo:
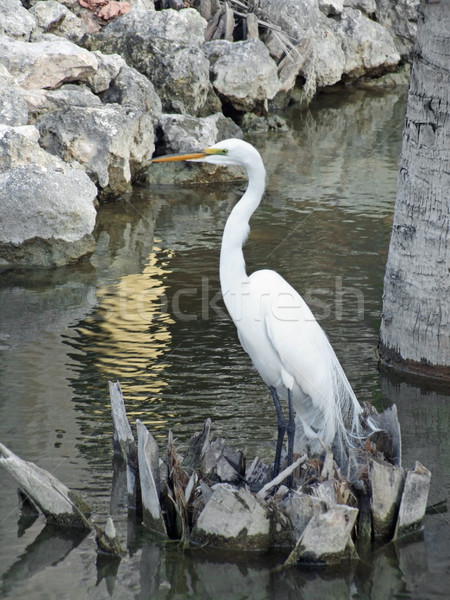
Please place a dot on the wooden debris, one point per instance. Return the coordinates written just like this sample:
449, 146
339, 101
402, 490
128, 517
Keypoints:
414, 500
107, 540
327, 537
264, 492
123, 439
257, 474
148, 455
386, 482
233, 518
56, 501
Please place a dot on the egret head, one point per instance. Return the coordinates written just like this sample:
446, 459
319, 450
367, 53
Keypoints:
226, 152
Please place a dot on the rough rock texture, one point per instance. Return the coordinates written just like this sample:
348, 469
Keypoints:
54, 17
47, 63
245, 89
15, 21
166, 47
47, 209
111, 142
400, 18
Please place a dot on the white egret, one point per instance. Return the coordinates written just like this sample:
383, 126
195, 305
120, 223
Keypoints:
277, 329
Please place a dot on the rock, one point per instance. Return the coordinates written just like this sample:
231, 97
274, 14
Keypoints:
247, 529
54, 17
109, 66
400, 18
48, 63
47, 210
131, 89
165, 46
331, 7
13, 108
414, 500
386, 482
367, 45
245, 89
39, 101
257, 474
111, 142
183, 133
15, 21
327, 537
367, 7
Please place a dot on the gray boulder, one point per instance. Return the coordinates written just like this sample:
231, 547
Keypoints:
165, 46
47, 212
54, 17
131, 89
111, 142
400, 18
249, 88
13, 108
15, 21
368, 46
182, 134
48, 63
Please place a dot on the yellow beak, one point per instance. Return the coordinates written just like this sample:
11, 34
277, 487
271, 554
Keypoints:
175, 157
192, 156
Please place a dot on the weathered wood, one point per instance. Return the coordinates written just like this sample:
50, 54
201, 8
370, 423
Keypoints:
327, 537
57, 502
148, 455
123, 439
386, 482
107, 540
233, 518
265, 491
414, 500
198, 444
257, 474
388, 440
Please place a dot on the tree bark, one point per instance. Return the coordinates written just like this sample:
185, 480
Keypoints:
415, 326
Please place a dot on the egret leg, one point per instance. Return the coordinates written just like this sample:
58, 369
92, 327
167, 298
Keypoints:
281, 423
290, 435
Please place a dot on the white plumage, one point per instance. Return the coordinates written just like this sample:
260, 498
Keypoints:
277, 329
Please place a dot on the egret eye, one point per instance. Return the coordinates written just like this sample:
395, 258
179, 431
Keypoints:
223, 151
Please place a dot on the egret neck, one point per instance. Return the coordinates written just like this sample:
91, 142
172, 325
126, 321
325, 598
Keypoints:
233, 275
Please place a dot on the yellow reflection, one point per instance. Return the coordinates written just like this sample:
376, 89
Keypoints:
130, 333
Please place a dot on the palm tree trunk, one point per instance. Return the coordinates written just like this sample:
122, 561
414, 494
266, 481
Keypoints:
415, 326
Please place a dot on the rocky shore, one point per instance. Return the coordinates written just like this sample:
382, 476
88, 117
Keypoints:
91, 89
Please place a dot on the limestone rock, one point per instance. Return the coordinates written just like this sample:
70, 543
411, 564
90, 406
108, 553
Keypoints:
15, 21
165, 46
367, 45
245, 89
184, 133
13, 108
131, 89
111, 142
54, 17
400, 18
47, 213
47, 63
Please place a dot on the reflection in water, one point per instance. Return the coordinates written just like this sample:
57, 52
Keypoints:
147, 311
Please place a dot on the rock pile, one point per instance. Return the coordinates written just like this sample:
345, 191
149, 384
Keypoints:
86, 98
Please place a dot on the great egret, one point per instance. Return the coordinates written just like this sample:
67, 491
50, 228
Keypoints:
277, 329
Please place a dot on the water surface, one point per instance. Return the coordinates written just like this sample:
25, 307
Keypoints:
147, 310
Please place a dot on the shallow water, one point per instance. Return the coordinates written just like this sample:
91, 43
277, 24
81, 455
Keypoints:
147, 310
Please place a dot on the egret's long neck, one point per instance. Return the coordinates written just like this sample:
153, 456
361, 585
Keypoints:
232, 263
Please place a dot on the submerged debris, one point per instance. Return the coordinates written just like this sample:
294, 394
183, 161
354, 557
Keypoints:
209, 497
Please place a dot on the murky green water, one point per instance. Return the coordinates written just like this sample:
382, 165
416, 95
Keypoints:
147, 310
